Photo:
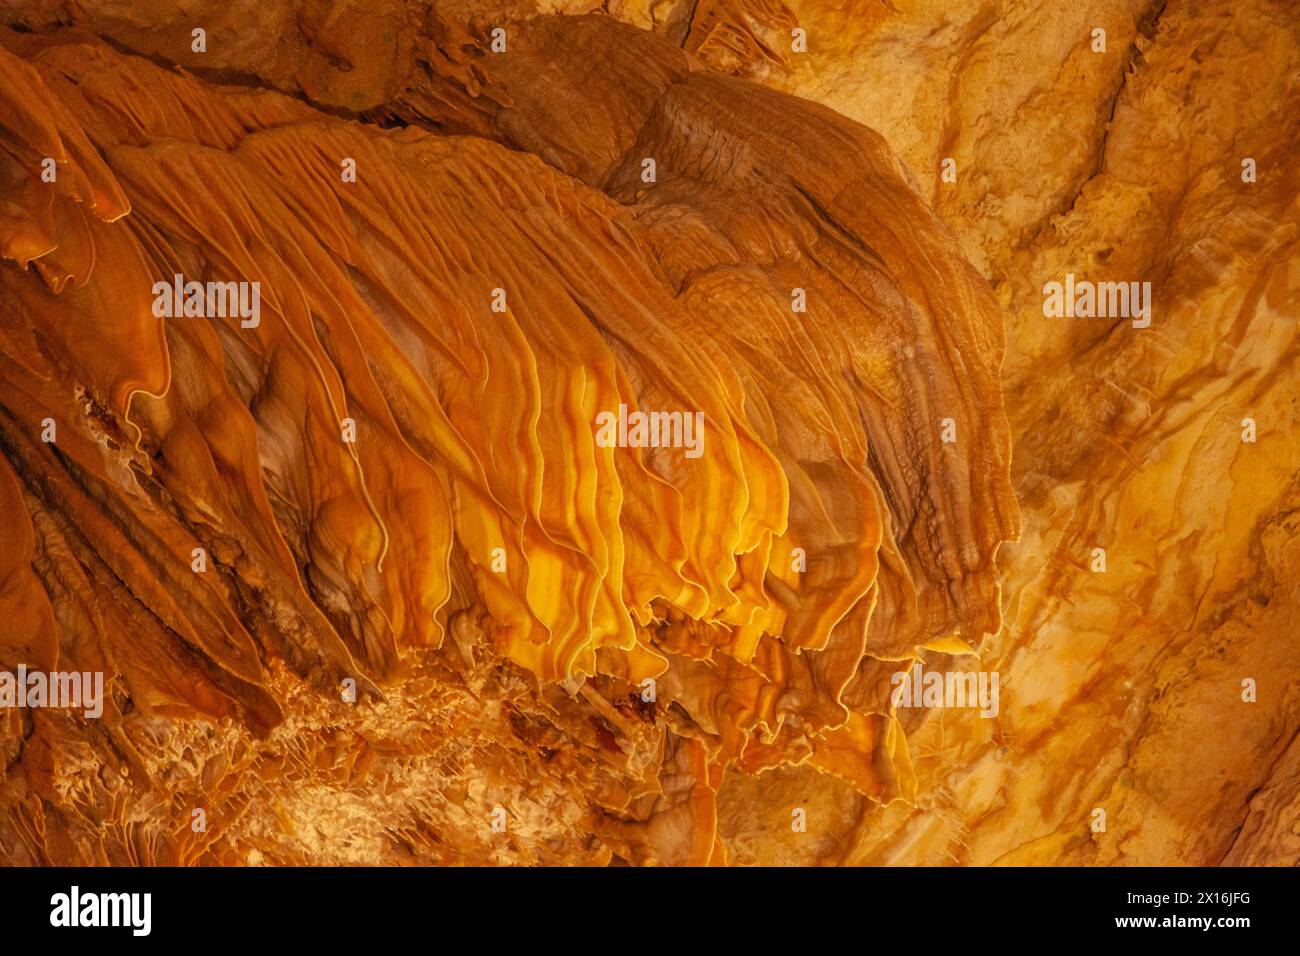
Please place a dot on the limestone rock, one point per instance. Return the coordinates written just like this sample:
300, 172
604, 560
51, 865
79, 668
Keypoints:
435, 618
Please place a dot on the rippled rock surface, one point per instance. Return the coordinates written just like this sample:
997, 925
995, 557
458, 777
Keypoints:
369, 578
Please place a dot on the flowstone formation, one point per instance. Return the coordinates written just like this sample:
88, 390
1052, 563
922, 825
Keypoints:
474, 433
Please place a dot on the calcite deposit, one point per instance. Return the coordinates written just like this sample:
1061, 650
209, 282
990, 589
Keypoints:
635, 433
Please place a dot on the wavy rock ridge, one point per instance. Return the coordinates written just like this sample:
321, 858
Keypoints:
499, 584
374, 559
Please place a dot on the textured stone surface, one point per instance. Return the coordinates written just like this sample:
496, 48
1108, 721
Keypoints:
521, 690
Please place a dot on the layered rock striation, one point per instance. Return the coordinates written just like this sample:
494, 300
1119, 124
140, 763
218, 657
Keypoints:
369, 583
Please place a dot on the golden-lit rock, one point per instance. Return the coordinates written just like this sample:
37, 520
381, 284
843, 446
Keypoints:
366, 583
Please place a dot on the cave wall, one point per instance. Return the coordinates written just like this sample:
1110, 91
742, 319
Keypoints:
917, 468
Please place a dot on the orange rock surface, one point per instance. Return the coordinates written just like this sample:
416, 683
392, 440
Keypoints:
366, 587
